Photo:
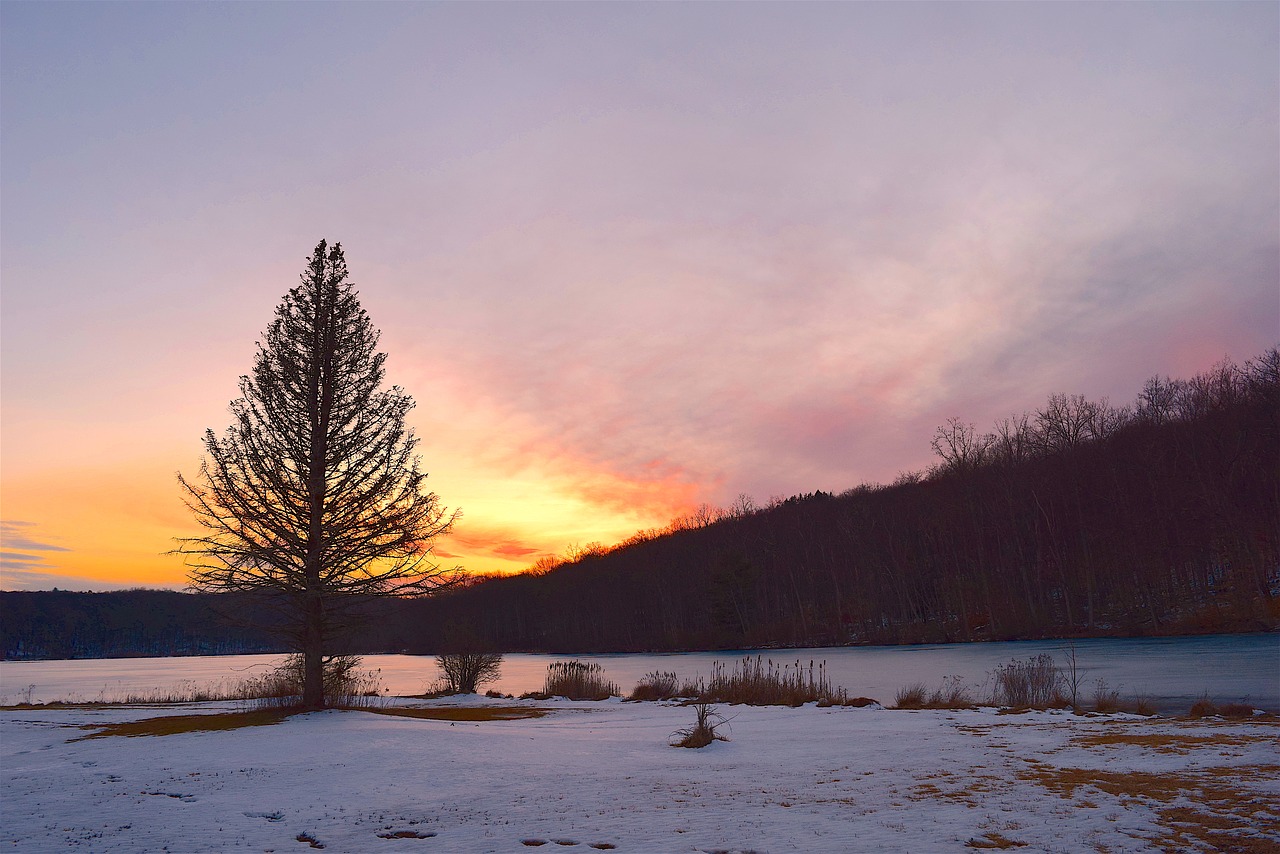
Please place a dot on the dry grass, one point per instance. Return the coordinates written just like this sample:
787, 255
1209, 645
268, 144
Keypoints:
953, 694
761, 682
578, 680
1165, 742
994, 839
178, 724
469, 714
703, 732
1227, 816
663, 685
1032, 684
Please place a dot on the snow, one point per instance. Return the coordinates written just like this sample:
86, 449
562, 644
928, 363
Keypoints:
602, 774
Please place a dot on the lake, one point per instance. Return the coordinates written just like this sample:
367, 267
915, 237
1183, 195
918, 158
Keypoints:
1173, 672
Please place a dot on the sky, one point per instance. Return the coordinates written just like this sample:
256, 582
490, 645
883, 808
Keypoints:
627, 258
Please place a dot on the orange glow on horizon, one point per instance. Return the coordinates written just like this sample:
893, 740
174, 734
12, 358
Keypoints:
116, 523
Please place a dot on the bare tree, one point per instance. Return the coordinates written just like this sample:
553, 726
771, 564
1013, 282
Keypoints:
464, 672
960, 446
313, 494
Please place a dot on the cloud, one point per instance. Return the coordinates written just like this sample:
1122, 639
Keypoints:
12, 536
18, 566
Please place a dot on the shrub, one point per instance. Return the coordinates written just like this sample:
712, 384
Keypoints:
1032, 684
911, 696
1104, 699
578, 680
1236, 710
1203, 708
464, 672
758, 683
703, 732
954, 694
1144, 705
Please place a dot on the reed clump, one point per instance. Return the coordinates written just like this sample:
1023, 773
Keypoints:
578, 680
953, 694
1035, 683
663, 685
763, 682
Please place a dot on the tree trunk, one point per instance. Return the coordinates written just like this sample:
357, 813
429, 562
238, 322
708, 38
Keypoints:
313, 655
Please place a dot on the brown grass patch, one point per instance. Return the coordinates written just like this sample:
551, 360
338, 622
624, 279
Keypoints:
1226, 816
1165, 742
993, 839
178, 724
468, 714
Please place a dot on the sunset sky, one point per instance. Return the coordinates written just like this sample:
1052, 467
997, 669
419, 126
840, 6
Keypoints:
628, 258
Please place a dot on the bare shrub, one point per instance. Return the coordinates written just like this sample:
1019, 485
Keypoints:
1031, 684
1072, 676
578, 680
703, 732
913, 696
464, 672
763, 683
953, 694
1105, 699
1236, 710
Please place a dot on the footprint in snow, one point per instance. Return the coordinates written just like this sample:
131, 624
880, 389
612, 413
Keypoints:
269, 816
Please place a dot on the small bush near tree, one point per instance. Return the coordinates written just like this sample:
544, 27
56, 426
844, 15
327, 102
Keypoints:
578, 680
345, 684
464, 672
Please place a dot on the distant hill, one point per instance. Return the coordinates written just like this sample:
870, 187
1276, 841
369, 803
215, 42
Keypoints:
1077, 519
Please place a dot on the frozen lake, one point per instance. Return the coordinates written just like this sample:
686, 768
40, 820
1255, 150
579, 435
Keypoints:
1174, 672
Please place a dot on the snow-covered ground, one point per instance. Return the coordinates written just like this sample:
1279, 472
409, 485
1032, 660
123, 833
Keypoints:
603, 775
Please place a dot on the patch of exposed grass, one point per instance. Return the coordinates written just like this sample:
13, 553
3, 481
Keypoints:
469, 714
1166, 742
178, 724
994, 839
1226, 816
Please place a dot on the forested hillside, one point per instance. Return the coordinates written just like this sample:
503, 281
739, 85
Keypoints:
1080, 518
63, 624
